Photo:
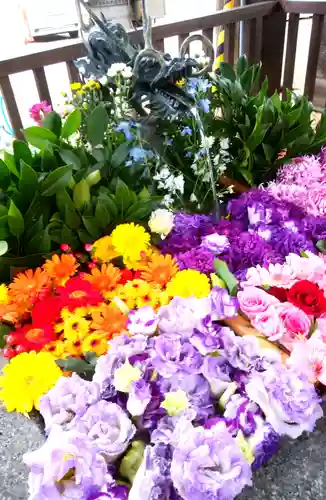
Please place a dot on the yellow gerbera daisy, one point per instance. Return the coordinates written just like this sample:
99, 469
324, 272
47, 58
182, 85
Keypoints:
95, 343
103, 249
26, 378
4, 298
56, 349
75, 327
188, 283
130, 241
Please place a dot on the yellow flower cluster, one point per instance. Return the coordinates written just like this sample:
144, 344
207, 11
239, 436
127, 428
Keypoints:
139, 293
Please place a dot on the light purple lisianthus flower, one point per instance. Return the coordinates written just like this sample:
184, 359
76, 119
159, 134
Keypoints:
183, 315
109, 428
208, 464
153, 480
264, 442
143, 321
171, 354
207, 338
118, 492
243, 413
121, 348
288, 400
223, 304
140, 395
67, 466
70, 397
244, 353
216, 243
217, 371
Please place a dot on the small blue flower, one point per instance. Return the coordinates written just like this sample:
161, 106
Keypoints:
186, 131
198, 85
204, 104
188, 154
139, 154
169, 142
124, 127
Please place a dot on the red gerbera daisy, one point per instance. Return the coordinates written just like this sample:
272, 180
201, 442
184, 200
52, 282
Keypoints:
47, 309
79, 293
33, 337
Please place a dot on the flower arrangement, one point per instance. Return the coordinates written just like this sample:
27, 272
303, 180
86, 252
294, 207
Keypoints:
287, 304
173, 412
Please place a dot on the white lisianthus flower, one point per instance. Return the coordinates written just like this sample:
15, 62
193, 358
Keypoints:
127, 72
116, 68
161, 222
207, 142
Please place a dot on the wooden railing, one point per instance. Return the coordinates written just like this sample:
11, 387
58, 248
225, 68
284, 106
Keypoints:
265, 28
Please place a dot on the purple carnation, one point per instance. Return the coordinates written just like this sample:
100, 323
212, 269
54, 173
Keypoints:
199, 258
207, 463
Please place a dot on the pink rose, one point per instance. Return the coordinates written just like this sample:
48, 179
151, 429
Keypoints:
269, 324
296, 324
255, 301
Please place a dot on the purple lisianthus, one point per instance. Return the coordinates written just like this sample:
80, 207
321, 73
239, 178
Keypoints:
182, 315
143, 321
217, 371
153, 478
223, 304
288, 400
264, 442
216, 243
207, 463
172, 355
153, 411
109, 427
139, 396
199, 258
207, 337
244, 414
68, 465
118, 492
197, 390
70, 397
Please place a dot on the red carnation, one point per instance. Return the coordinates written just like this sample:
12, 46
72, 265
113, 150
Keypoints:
280, 293
79, 292
308, 297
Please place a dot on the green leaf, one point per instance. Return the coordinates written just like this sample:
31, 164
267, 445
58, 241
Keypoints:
22, 152
227, 71
76, 365
293, 135
120, 155
321, 127
11, 164
246, 78
321, 246
15, 220
52, 121
269, 152
28, 182
91, 358
246, 174
132, 460
110, 202
97, 125
140, 210
56, 180
294, 115
64, 201
241, 66
72, 219
102, 214
40, 138
70, 158
72, 124
91, 226
81, 194
276, 101
84, 236
122, 197
4, 331
40, 243
3, 247
225, 274
5, 177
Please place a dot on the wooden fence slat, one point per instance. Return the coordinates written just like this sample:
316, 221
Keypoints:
209, 34
159, 44
314, 48
291, 49
11, 105
229, 43
259, 39
42, 85
181, 39
73, 72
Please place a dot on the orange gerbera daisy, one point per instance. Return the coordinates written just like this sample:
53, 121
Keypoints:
104, 279
61, 268
109, 320
160, 269
28, 285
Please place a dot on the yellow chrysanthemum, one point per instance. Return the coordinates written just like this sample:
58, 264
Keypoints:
75, 327
73, 348
75, 86
56, 349
26, 379
188, 283
4, 298
95, 343
136, 288
130, 241
103, 249
151, 298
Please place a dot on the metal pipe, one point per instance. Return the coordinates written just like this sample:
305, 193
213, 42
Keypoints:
241, 32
